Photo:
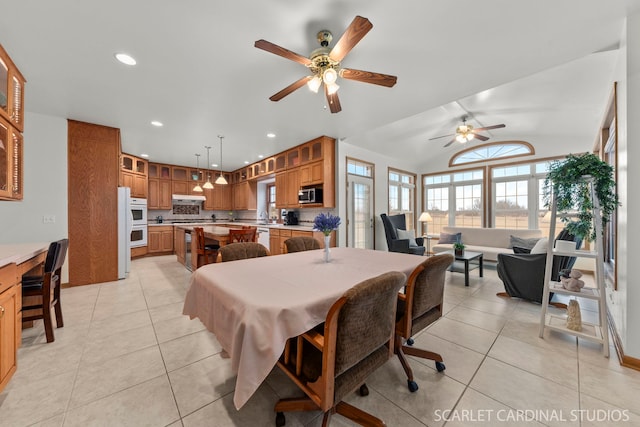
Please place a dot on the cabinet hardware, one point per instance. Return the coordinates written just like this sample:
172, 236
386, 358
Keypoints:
1, 311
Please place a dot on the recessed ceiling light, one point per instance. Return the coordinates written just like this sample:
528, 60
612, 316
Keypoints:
271, 135
146, 156
246, 162
260, 156
157, 123
125, 59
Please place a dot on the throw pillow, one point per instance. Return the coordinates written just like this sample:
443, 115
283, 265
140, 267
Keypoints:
517, 250
407, 234
522, 243
450, 238
541, 246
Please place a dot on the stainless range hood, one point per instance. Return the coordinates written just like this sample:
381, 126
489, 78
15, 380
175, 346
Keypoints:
187, 199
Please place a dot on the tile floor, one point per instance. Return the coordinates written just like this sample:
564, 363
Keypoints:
128, 357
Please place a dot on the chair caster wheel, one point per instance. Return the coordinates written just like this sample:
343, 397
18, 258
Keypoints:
280, 421
410, 341
413, 386
364, 390
440, 366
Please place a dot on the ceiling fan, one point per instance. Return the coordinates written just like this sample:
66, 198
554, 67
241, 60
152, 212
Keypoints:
324, 63
465, 133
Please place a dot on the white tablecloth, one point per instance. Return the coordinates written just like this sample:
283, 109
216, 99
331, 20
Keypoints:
253, 306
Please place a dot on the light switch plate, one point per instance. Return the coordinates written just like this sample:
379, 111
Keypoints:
48, 219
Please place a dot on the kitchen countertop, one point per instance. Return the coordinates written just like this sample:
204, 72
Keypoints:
20, 252
238, 223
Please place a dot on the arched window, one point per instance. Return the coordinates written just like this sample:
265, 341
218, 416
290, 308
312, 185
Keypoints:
491, 151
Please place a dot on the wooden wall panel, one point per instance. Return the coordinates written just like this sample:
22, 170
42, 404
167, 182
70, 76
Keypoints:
93, 169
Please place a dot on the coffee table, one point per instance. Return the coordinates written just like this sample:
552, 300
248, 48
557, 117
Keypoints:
464, 264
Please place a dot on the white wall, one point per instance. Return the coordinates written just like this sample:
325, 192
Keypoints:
45, 185
381, 190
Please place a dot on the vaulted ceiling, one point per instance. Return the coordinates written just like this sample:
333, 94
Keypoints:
543, 68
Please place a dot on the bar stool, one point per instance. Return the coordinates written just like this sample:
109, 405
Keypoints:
207, 254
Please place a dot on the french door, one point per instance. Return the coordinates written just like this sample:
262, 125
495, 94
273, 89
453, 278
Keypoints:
360, 212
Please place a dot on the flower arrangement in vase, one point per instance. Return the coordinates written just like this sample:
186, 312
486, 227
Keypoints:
326, 224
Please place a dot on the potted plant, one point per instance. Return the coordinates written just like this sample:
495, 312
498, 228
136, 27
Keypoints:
458, 248
567, 181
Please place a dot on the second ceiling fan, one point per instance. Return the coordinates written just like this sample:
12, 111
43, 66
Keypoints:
324, 63
465, 133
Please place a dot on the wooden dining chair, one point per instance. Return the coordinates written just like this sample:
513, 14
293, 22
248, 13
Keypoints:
241, 250
418, 307
243, 235
301, 243
43, 292
206, 254
329, 362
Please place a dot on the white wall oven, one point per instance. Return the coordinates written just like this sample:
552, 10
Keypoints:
139, 224
138, 236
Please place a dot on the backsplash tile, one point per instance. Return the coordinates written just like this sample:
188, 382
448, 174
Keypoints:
186, 210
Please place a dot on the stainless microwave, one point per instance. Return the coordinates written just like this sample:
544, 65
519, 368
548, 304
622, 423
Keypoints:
310, 195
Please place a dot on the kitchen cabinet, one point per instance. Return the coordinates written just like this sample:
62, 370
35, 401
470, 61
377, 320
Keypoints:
180, 187
292, 188
10, 322
293, 157
159, 194
160, 171
179, 245
312, 151
312, 173
160, 239
11, 167
244, 195
280, 162
133, 174
11, 91
277, 237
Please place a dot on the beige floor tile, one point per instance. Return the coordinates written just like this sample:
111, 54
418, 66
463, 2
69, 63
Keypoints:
168, 311
51, 422
461, 363
47, 359
481, 319
596, 413
166, 296
528, 331
202, 382
104, 348
616, 388
118, 324
176, 327
479, 410
190, 348
494, 305
148, 404
28, 402
522, 390
114, 307
545, 362
468, 336
436, 390
257, 412
115, 375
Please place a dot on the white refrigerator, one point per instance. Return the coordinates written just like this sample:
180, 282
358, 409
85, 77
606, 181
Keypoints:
125, 223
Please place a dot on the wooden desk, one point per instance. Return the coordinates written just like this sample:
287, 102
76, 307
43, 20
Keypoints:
253, 306
15, 260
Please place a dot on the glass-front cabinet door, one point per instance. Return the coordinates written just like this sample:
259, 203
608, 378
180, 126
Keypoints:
4, 86
10, 162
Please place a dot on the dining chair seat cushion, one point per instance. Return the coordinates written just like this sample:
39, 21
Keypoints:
242, 250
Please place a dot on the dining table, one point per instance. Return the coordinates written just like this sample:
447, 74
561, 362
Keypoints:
254, 306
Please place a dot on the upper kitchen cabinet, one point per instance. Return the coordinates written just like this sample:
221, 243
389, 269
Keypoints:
11, 91
312, 150
11, 175
133, 174
160, 171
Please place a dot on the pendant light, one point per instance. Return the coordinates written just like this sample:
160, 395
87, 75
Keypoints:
208, 185
197, 188
220, 180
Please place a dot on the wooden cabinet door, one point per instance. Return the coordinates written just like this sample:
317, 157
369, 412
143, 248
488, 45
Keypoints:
292, 188
180, 187
178, 244
153, 240
165, 194
312, 173
139, 188
8, 333
126, 180
153, 194
281, 190
274, 242
166, 240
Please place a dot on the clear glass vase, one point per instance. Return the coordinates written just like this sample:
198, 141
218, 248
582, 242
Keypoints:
327, 251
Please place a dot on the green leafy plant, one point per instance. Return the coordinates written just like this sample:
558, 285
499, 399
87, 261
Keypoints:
458, 246
566, 180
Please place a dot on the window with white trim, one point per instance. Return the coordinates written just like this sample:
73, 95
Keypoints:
402, 195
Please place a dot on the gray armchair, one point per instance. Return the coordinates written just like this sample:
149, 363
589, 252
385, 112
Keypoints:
523, 274
394, 244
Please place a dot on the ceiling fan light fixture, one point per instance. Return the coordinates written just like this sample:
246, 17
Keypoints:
329, 76
314, 84
332, 88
